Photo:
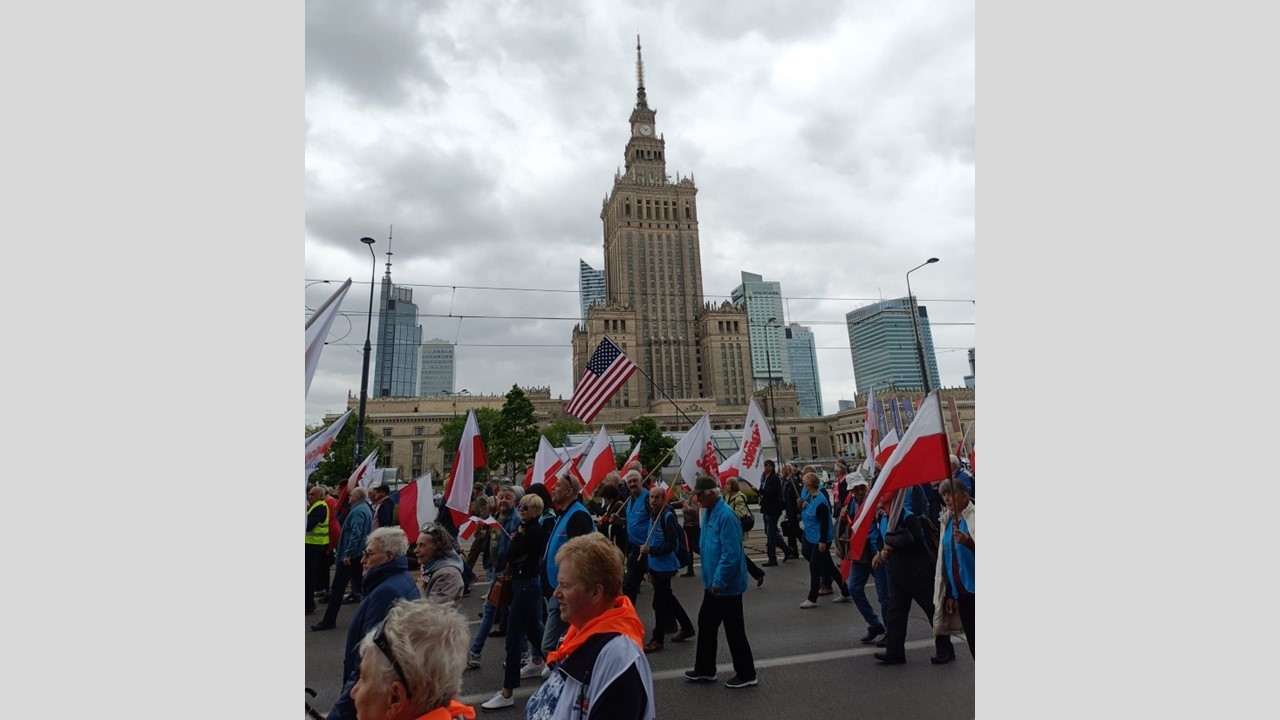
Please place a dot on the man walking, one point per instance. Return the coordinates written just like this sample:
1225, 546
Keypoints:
771, 509
317, 574
636, 511
384, 511
355, 532
724, 579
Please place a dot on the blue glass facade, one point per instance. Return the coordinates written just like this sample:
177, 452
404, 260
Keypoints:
802, 360
399, 335
763, 300
438, 373
883, 345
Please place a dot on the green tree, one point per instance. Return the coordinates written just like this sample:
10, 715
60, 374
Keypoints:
656, 443
340, 462
451, 435
515, 436
560, 430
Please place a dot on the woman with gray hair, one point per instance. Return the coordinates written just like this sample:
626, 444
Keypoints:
411, 665
441, 577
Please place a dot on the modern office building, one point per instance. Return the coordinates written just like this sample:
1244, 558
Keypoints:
399, 337
438, 373
762, 301
969, 379
653, 305
842, 405
590, 286
883, 344
802, 361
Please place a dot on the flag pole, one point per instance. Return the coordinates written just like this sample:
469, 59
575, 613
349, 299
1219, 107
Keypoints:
677, 407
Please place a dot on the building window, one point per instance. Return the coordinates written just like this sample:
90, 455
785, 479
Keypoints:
418, 430
386, 432
417, 447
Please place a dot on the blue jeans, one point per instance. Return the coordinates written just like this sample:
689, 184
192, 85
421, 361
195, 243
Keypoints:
773, 537
486, 624
858, 574
554, 628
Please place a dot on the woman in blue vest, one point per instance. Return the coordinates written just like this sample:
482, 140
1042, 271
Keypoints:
819, 532
660, 549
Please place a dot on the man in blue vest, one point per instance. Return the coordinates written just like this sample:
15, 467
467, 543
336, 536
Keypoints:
636, 511
572, 520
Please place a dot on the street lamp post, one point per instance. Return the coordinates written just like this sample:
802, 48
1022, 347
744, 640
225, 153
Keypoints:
915, 326
768, 360
364, 376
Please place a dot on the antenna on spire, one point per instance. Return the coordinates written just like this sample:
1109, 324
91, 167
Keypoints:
389, 229
640, 101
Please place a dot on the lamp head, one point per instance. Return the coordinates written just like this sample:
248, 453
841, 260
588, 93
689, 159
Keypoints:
369, 241
931, 260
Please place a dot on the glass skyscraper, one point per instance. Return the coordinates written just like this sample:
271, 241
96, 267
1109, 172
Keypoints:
399, 335
590, 287
802, 360
438, 371
763, 300
883, 344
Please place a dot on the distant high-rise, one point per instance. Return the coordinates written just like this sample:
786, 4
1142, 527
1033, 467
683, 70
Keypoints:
399, 335
969, 379
842, 405
763, 300
802, 360
438, 374
883, 345
590, 287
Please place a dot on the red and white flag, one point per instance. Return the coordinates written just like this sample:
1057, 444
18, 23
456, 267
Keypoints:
416, 506
597, 463
462, 477
575, 453
607, 371
923, 456
697, 454
634, 457
545, 464
320, 442
373, 478
364, 467
749, 460
885, 449
317, 329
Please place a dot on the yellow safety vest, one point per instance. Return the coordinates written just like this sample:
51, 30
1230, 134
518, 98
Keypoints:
319, 535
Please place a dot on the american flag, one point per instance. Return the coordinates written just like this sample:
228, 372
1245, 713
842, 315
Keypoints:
606, 372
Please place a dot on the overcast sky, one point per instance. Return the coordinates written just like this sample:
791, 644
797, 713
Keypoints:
833, 149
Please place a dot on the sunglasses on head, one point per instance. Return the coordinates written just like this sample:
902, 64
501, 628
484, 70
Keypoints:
380, 642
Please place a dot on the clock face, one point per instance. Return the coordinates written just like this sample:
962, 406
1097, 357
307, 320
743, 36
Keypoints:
645, 130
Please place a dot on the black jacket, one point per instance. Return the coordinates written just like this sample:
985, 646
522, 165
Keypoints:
770, 494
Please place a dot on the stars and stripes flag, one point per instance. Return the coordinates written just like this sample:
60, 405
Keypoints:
317, 329
606, 372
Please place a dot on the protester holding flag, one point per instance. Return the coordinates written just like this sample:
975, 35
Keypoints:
954, 574
636, 510
612, 520
572, 521
689, 511
911, 562
860, 565
771, 511
663, 541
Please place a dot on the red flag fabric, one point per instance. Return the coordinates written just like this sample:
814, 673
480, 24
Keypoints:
885, 449
606, 372
358, 474
545, 464
634, 457
923, 456
417, 506
597, 463
462, 477
318, 444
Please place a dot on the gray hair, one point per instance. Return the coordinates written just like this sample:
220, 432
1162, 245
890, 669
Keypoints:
443, 540
429, 640
359, 494
951, 485
634, 472
515, 490
389, 540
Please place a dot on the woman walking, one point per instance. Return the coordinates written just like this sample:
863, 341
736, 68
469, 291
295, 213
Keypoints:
819, 532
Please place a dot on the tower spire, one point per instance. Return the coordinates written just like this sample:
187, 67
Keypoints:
389, 229
640, 99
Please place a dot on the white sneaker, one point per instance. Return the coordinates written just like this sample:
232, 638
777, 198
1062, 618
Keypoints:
842, 599
546, 669
473, 660
806, 604
497, 702
532, 670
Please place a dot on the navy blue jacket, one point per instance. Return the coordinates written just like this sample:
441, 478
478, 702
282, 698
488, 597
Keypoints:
383, 585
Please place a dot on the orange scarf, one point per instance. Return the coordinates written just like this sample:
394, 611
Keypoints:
621, 618
455, 709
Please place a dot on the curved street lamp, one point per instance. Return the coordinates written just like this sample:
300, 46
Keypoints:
364, 375
915, 326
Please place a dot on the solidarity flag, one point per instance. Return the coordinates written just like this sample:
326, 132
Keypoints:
416, 506
922, 456
373, 478
361, 469
320, 442
317, 329
470, 457
697, 454
749, 459
597, 463
606, 372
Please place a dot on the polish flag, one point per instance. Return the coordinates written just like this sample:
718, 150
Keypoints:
885, 449
575, 453
597, 463
545, 464
634, 457
462, 477
923, 456
697, 454
359, 473
416, 506
319, 443
317, 329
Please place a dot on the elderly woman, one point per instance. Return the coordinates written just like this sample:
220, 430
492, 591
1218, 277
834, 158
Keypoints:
386, 580
411, 665
819, 534
737, 502
599, 664
441, 577
524, 556
664, 538
954, 574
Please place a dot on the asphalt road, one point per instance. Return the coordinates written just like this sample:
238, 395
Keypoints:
807, 660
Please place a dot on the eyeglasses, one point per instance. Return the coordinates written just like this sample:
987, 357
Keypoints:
526, 507
371, 553
380, 642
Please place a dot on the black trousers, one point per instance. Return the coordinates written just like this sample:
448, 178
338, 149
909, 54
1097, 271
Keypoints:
792, 534
317, 572
965, 605
910, 580
823, 571
666, 607
717, 609
694, 534
342, 575
637, 566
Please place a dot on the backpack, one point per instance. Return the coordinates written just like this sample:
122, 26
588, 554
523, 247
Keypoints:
682, 546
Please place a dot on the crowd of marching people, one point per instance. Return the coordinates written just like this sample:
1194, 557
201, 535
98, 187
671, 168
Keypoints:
564, 575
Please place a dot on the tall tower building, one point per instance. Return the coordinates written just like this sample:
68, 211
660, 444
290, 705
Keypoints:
399, 335
883, 344
438, 374
762, 301
969, 379
653, 277
802, 357
590, 286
